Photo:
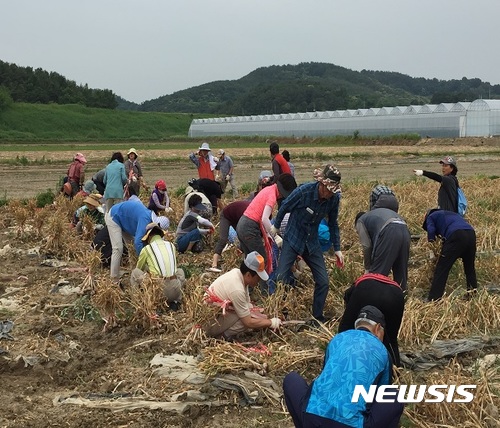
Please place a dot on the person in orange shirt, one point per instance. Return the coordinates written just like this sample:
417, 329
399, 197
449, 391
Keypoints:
204, 161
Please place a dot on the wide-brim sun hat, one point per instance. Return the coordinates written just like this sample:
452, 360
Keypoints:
204, 146
132, 150
94, 199
330, 177
150, 228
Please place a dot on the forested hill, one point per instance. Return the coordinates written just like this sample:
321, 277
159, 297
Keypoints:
317, 86
38, 86
275, 89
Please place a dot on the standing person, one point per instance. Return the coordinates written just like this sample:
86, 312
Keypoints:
98, 179
384, 293
448, 191
225, 166
128, 220
278, 163
133, 170
354, 357
286, 156
115, 179
233, 288
159, 259
204, 161
459, 241
254, 225
229, 217
76, 173
189, 235
385, 238
159, 200
308, 205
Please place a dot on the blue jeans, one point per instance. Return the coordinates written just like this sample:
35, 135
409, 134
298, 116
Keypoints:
316, 263
184, 240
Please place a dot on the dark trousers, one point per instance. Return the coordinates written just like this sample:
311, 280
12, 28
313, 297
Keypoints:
461, 244
386, 297
392, 251
296, 391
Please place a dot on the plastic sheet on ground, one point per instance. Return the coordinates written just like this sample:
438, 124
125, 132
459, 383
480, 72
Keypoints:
439, 352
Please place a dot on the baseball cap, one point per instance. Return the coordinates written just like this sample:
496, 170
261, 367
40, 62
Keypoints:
448, 160
256, 262
371, 313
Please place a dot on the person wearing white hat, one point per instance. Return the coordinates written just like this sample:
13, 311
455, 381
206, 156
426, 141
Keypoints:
231, 292
204, 161
133, 170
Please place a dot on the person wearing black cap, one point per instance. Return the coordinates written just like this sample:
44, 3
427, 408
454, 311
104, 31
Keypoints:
459, 241
254, 225
354, 357
447, 194
308, 205
384, 293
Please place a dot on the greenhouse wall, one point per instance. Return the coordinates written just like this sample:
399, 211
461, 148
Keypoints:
479, 118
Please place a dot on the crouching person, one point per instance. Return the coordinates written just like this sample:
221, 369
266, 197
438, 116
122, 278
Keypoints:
158, 258
231, 291
354, 357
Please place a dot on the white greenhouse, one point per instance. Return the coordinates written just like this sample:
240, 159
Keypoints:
479, 118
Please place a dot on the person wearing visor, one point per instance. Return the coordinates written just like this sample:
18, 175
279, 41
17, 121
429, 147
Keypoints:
308, 204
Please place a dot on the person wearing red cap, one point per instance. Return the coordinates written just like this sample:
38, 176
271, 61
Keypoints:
448, 191
159, 200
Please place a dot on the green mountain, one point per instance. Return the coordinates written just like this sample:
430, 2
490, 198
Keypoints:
316, 86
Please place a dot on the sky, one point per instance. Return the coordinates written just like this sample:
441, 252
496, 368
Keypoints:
144, 49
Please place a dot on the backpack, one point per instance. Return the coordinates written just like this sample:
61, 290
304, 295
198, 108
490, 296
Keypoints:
462, 201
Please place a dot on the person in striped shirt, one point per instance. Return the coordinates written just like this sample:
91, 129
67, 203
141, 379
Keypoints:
159, 259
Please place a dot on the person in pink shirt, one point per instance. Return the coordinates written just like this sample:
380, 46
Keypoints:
254, 225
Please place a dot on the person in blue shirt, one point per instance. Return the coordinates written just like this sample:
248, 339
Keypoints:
114, 180
308, 204
128, 220
354, 357
459, 241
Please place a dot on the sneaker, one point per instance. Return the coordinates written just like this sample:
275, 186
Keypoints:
214, 269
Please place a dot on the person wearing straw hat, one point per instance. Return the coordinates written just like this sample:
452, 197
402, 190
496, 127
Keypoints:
354, 357
128, 220
133, 171
447, 193
204, 161
230, 291
308, 204
159, 259
93, 209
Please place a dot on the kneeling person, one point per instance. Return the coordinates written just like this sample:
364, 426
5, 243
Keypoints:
233, 287
158, 257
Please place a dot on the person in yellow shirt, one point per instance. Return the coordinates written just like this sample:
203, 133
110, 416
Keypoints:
159, 259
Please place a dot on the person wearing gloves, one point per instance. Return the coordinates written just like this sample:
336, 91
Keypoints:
133, 170
231, 292
308, 204
128, 220
225, 166
254, 225
384, 236
188, 235
158, 258
447, 193
159, 200
459, 242
93, 209
353, 357
204, 161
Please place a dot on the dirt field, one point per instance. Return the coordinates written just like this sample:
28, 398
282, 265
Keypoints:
58, 352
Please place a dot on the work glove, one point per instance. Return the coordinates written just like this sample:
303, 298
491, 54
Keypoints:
169, 210
418, 172
98, 227
273, 231
339, 259
228, 177
275, 323
278, 240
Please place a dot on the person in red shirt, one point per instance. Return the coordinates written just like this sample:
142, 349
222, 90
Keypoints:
279, 164
76, 174
204, 161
